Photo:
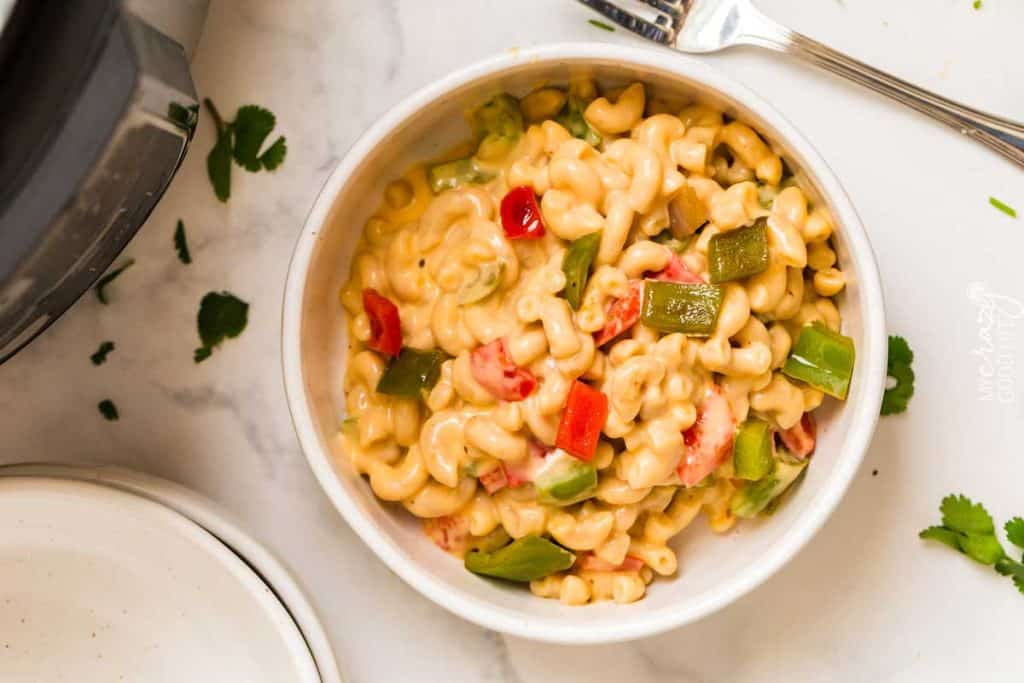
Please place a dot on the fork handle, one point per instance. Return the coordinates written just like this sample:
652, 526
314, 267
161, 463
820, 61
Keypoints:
997, 133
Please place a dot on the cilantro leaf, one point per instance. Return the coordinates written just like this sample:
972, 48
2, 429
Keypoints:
252, 126
942, 535
101, 284
239, 141
100, 357
959, 513
901, 357
274, 156
221, 316
181, 244
108, 410
983, 548
1015, 531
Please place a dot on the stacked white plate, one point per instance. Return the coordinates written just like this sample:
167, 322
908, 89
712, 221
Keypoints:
110, 575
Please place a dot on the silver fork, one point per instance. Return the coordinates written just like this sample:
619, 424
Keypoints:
712, 25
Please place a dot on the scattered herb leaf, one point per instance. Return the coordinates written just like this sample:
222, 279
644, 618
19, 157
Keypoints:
101, 284
221, 316
100, 357
601, 25
181, 243
108, 410
1005, 208
901, 359
968, 528
977, 4
239, 141
1015, 531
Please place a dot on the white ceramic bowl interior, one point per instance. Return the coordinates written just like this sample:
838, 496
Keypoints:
714, 570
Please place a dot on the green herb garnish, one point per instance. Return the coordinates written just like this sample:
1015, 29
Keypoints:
181, 244
1005, 208
221, 316
601, 25
108, 410
101, 284
240, 141
900, 371
977, 4
100, 357
968, 528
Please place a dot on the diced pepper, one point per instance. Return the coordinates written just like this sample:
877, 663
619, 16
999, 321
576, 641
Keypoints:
574, 121
586, 409
753, 451
385, 325
678, 271
686, 212
564, 480
576, 263
675, 307
494, 480
450, 533
799, 439
412, 373
754, 497
709, 441
739, 253
823, 359
520, 214
494, 370
498, 538
589, 562
487, 279
622, 314
499, 116
529, 558
678, 246
452, 174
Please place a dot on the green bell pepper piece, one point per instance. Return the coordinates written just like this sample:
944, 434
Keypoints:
675, 307
753, 455
452, 174
573, 120
677, 245
576, 263
564, 480
753, 498
411, 373
487, 279
823, 359
499, 116
498, 538
739, 253
531, 557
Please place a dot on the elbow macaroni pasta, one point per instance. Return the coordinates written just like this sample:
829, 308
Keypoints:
688, 174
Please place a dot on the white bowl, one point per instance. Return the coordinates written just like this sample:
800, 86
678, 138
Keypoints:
714, 570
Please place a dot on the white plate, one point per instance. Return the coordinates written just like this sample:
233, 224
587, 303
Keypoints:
98, 584
207, 515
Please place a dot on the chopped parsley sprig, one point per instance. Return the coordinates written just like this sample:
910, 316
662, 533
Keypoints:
901, 372
222, 315
100, 357
181, 243
967, 527
240, 141
108, 410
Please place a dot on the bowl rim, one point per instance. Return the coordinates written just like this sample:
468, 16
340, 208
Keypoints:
832, 490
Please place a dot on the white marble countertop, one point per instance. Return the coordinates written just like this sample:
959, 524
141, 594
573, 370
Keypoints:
865, 601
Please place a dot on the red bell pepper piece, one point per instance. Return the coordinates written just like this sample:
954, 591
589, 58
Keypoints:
622, 314
678, 271
494, 370
582, 421
385, 325
800, 438
520, 214
709, 440
590, 562
495, 480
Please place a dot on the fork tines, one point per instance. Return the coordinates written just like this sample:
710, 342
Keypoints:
661, 25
